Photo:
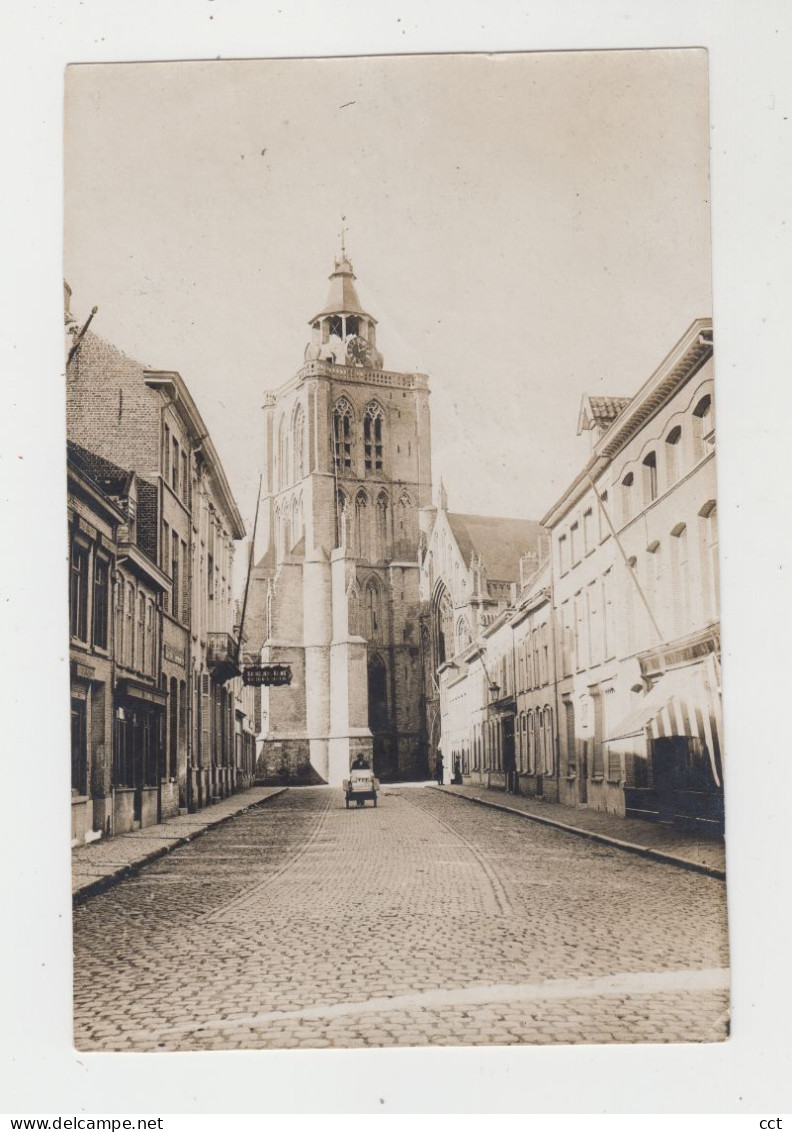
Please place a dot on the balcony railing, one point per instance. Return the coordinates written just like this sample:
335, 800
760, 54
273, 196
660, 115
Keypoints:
221, 656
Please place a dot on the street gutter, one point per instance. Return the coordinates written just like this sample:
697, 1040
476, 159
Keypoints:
123, 872
592, 835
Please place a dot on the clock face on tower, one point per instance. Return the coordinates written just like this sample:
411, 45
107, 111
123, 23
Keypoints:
358, 351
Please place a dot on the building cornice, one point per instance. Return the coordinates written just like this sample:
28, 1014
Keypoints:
684, 360
689, 354
130, 552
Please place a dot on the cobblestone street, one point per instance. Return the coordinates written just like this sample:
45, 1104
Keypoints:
426, 920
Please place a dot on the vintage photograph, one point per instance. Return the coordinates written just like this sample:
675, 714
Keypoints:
395, 663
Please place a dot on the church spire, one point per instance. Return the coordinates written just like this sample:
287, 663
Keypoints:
343, 332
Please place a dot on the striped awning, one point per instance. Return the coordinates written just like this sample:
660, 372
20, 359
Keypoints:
685, 701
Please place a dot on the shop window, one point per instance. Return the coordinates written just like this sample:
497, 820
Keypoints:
79, 746
173, 728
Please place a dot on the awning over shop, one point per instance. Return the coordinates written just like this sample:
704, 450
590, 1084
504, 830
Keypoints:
683, 702
135, 690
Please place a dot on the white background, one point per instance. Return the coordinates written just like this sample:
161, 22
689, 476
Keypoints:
751, 117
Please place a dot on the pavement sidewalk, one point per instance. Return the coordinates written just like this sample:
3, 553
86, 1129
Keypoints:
664, 843
102, 864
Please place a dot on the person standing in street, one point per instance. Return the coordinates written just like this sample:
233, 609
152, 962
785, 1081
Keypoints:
439, 769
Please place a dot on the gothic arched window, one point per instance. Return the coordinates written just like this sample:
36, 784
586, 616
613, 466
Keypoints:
342, 435
281, 454
361, 525
372, 437
463, 638
382, 526
353, 609
298, 430
373, 627
342, 519
444, 624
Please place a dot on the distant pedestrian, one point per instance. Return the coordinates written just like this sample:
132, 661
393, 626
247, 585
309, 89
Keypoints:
360, 764
439, 769
457, 772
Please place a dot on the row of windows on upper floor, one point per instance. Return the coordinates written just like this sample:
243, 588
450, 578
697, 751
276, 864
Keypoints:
670, 592
175, 563
350, 444
344, 437
136, 644
374, 530
684, 445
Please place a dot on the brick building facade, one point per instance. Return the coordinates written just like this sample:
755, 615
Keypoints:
147, 421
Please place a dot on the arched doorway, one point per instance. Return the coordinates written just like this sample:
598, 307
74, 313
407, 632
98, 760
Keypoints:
379, 717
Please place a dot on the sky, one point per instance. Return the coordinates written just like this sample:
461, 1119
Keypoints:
525, 227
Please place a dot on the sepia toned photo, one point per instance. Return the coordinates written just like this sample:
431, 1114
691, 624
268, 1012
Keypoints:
395, 661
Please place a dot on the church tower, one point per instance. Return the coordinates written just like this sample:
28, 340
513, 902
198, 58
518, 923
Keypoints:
336, 595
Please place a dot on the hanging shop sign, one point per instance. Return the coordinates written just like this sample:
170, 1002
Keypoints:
259, 675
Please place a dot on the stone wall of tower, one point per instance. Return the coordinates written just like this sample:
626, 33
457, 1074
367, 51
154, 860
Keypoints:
337, 593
